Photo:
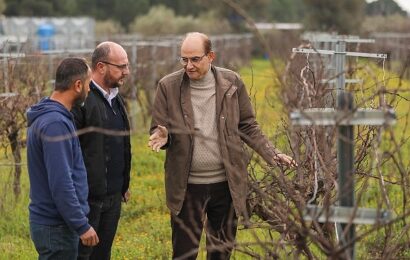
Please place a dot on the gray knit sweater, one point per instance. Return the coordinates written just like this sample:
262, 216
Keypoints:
207, 166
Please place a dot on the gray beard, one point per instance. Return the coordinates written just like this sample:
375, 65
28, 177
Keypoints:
111, 84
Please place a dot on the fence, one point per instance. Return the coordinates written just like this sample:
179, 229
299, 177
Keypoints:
150, 59
397, 46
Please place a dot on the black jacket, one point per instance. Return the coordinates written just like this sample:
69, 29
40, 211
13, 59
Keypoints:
94, 145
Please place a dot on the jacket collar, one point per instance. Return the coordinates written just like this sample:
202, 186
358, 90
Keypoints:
222, 85
186, 104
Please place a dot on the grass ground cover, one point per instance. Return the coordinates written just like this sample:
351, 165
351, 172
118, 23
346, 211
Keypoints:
144, 230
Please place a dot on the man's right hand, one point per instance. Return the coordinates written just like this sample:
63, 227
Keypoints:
89, 238
159, 138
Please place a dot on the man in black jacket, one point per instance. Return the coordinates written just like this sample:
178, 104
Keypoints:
105, 145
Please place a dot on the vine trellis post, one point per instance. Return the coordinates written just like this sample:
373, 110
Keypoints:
344, 115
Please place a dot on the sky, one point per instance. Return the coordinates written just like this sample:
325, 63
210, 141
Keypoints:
404, 4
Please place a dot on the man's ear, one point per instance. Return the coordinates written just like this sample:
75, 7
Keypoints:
78, 85
212, 55
100, 67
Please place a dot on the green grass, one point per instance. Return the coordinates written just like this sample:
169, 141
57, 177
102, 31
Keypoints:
15, 240
144, 229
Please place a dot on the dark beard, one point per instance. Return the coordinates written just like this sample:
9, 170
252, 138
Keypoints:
79, 101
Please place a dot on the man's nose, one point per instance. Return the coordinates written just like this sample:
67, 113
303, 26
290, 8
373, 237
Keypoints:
189, 64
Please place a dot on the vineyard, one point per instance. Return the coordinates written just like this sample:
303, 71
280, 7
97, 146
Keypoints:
285, 93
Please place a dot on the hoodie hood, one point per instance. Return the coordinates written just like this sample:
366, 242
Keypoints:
46, 105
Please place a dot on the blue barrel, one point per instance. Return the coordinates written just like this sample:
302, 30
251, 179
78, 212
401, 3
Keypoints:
45, 33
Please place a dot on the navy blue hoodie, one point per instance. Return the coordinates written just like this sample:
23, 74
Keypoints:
58, 178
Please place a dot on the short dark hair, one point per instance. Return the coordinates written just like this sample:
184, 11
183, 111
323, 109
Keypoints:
100, 54
68, 71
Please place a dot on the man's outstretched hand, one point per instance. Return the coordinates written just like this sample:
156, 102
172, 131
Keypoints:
159, 138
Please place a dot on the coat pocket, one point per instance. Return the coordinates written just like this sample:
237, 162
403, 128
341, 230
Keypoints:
232, 111
239, 157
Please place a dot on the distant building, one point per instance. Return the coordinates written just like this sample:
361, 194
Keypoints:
25, 34
279, 26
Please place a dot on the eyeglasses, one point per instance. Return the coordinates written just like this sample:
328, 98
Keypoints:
194, 60
119, 66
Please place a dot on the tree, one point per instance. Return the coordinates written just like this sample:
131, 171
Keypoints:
29, 8
98, 9
181, 7
40, 7
384, 8
65, 8
2, 6
341, 16
286, 10
125, 11
257, 9
153, 22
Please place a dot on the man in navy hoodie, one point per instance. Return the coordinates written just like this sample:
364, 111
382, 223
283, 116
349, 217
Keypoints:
58, 178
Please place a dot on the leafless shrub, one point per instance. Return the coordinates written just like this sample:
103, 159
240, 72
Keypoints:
25, 82
278, 196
